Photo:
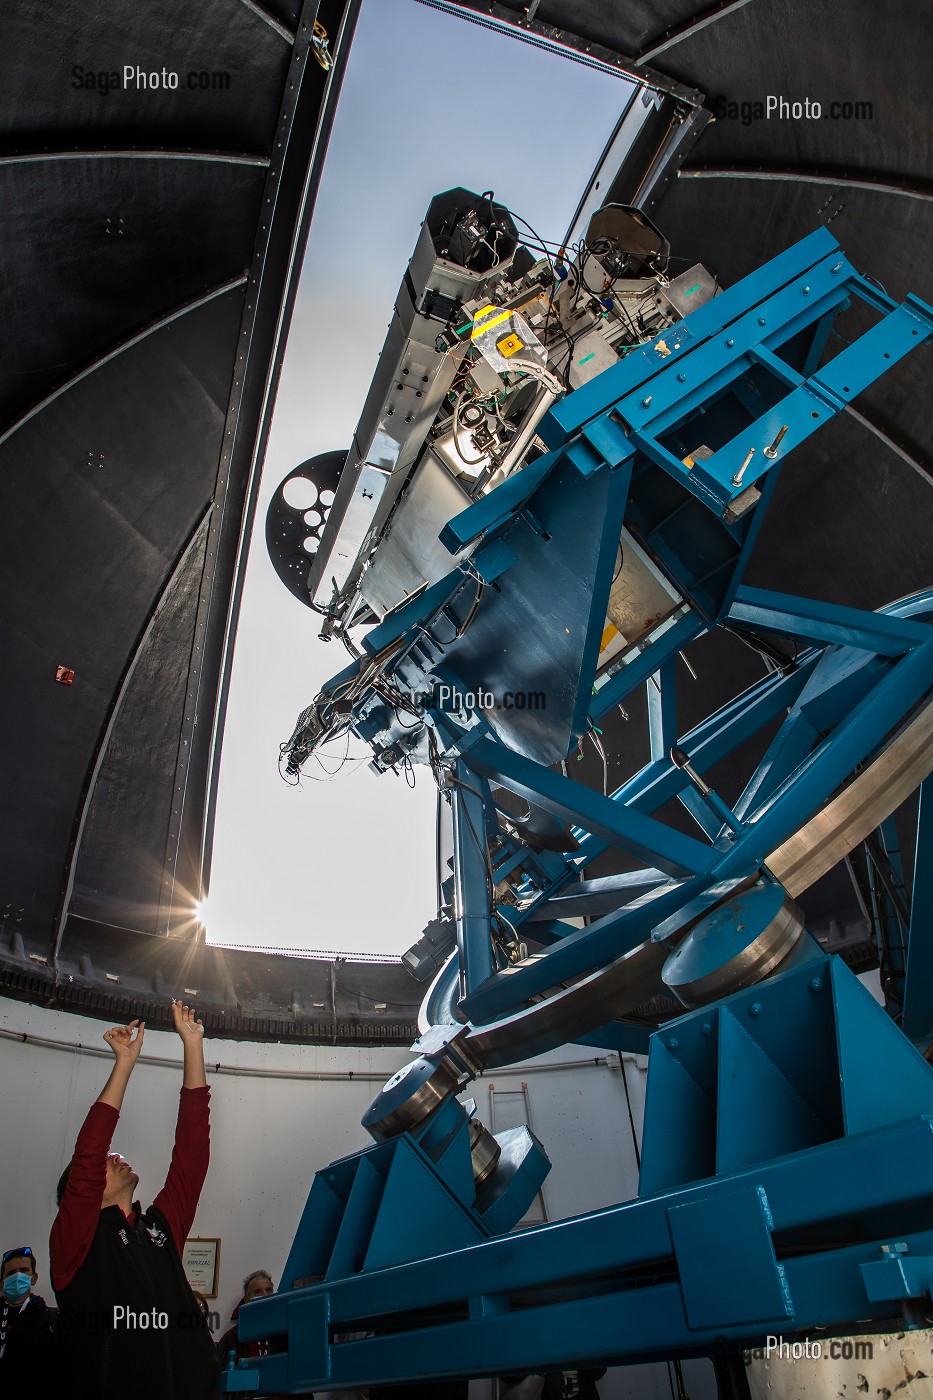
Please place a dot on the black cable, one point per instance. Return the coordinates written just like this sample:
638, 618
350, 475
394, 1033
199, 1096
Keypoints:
480, 590
631, 1117
416, 725
489, 196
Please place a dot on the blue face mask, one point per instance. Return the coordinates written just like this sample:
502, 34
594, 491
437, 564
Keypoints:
15, 1287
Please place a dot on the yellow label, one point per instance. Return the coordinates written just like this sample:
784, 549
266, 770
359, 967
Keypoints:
481, 327
509, 344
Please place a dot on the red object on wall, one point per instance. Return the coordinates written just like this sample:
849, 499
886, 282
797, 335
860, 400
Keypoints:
64, 675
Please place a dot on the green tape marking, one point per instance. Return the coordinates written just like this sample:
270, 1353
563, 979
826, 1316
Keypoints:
691, 290
586, 357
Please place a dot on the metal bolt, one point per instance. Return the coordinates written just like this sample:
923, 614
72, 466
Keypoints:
772, 451
729, 344
737, 479
805, 291
645, 402
755, 1009
816, 984
762, 321
673, 1043
681, 378
706, 1028
837, 268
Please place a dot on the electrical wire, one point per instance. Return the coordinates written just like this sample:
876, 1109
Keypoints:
602, 753
468, 461
489, 195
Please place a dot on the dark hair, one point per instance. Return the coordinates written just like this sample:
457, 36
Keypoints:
257, 1273
62, 1186
9, 1259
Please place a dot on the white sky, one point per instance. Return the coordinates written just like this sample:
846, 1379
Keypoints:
429, 102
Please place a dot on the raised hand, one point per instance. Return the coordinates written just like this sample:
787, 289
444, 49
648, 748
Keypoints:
126, 1042
187, 1023
191, 1031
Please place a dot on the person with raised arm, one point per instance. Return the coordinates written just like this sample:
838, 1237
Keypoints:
127, 1315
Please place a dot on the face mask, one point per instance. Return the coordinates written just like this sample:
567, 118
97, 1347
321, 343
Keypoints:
16, 1287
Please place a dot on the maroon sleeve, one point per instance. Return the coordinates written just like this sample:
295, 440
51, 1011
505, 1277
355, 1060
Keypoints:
178, 1199
79, 1211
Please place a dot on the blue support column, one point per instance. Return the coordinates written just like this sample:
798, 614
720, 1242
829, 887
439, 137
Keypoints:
472, 893
884, 633
662, 710
648, 840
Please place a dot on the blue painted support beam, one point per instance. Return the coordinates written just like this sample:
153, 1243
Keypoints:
472, 895
662, 709
917, 1014
498, 507
611, 1313
642, 837
710, 369
661, 692
690, 366
593, 897
707, 744
807, 619
621, 1036
790, 746
850, 744
641, 366
582, 950
489, 563
644, 663
818, 343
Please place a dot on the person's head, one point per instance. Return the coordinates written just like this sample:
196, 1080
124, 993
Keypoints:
18, 1273
258, 1284
120, 1182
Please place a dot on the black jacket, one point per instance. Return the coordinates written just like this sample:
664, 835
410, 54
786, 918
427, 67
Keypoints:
28, 1348
128, 1321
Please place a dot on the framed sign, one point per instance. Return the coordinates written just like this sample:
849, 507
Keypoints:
201, 1260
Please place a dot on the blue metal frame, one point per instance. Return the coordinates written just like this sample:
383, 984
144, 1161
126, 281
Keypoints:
743, 1131
755, 1102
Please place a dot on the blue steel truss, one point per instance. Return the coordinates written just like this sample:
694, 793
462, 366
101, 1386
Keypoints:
769, 1199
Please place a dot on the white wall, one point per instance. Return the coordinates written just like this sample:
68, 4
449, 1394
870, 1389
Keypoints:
274, 1124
